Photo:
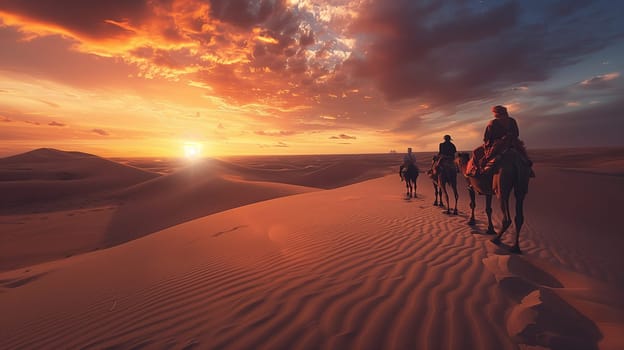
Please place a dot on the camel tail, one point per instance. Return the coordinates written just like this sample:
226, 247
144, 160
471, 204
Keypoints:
523, 173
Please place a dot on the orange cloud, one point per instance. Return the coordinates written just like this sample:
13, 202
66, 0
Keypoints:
306, 69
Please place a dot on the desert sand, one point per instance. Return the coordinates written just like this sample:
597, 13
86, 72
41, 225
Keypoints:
302, 252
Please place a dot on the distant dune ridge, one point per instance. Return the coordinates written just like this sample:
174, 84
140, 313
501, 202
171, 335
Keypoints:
301, 252
47, 179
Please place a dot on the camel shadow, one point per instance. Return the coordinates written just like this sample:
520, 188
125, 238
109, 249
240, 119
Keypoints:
541, 317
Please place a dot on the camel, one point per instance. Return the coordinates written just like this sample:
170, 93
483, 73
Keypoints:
510, 173
437, 191
410, 175
482, 185
445, 174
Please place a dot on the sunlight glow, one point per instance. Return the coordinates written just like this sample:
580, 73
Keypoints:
192, 150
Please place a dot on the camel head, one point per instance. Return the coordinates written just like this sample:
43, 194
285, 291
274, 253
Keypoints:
462, 158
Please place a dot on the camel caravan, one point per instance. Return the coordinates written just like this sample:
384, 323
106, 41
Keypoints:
498, 167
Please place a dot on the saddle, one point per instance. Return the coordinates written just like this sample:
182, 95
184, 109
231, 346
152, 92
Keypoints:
410, 168
441, 163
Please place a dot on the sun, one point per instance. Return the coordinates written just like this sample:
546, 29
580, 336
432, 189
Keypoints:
192, 150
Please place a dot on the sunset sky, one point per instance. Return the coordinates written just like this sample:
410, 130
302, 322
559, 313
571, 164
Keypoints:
146, 77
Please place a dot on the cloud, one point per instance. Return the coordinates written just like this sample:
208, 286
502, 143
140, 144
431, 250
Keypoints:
600, 81
592, 126
275, 133
243, 13
99, 19
449, 54
296, 68
343, 137
277, 144
241, 50
60, 63
100, 132
54, 123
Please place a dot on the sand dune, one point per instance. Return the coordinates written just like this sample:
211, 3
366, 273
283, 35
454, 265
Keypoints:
61, 203
95, 211
200, 190
326, 171
321, 269
556, 308
48, 180
353, 267
268, 265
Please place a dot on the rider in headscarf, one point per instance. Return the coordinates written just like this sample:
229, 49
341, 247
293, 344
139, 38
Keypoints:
500, 134
446, 152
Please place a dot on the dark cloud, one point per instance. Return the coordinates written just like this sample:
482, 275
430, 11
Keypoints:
587, 126
564, 8
54, 123
307, 39
244, 13
100, 132
343, 137
446, 53
88, 18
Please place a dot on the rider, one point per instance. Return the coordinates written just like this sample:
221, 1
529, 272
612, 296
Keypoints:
447, 148
408, 159
446, 152
500, 134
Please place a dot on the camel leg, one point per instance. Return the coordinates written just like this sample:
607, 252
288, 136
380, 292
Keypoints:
488, 211
448, 203
506, 214
471, 192
415, 186
456, 197
519, 220
435, 191
440, 196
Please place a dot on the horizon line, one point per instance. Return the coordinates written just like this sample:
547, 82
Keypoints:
297, 154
